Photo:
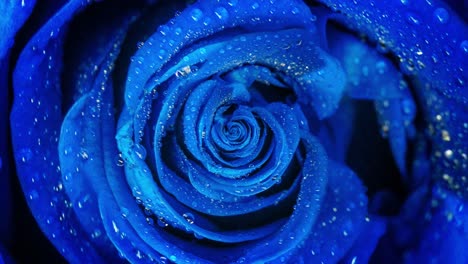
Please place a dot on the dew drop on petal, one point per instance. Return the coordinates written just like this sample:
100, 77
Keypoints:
33, 195
25, 154
221, 13
381, 67
448, 153
114, 225
196, 14
124, 212
140, 151
464, 46
189, 218
441, 15
162, 222
84, 154
408, 107
232, 2
119, 160
413, 19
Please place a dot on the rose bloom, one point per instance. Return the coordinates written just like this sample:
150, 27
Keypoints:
234, 131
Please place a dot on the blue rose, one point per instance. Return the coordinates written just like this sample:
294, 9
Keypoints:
241, 132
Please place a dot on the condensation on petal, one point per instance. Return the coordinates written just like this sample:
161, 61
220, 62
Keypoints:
429, 40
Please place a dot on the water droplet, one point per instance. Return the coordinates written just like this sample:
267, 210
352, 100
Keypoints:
33, 195
140, 151
441, 15
163, 30
365, 71
382, 47
68, 177
206, 21
162, 222
464, 46
407, 66
381, 67
232, 2
413, 19
255, 5
196, 14
408, 107
114, 225
445, 135
189, 218
448, 153
84, 154
221, 13
405, 2
459, 81
124, 212
163, 260
150, 221
173, 258
119, 160
25, 154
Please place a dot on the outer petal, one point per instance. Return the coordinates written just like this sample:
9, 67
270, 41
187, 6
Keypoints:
14, 13
445, 236
412, 31
372, 76
36, 118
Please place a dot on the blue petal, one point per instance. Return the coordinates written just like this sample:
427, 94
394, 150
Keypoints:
322, 83
14, 13
35, 121
36, 118
335, 133
342, 219
372, 76
5, 258
365, 244
444, 234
